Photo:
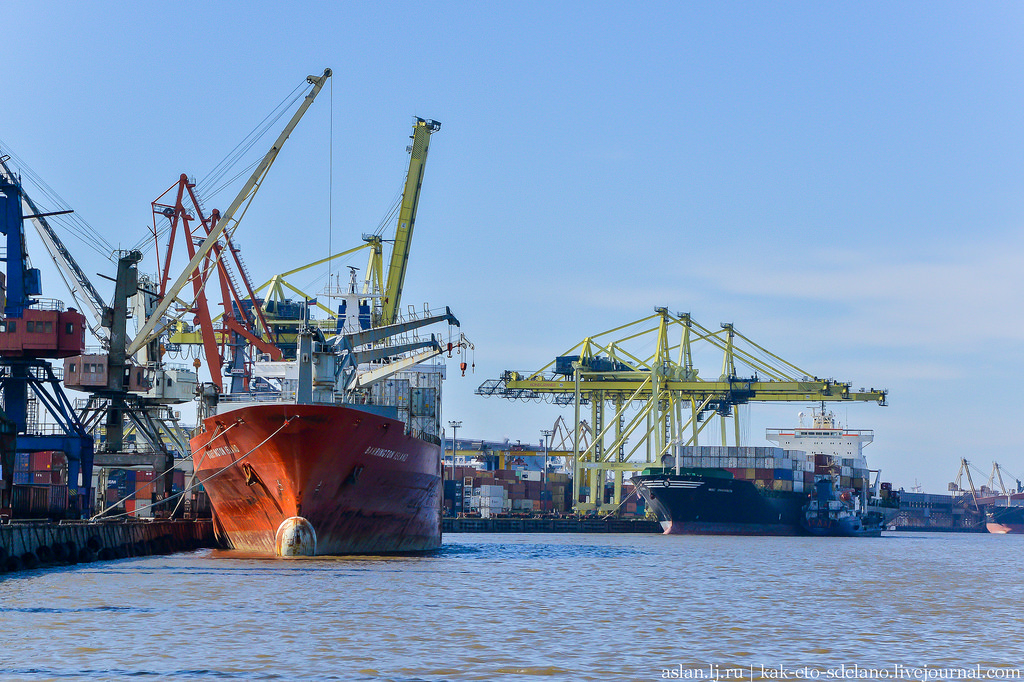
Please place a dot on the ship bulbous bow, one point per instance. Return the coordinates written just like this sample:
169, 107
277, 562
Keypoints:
295, 537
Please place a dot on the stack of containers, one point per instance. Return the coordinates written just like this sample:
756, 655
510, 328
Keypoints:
144, 494
493, 498
120, 484
766, 467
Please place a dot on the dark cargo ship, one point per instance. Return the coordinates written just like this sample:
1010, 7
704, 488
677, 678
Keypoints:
754, 490
712, 501
1003, 520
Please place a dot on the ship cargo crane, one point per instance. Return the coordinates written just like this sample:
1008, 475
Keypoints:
658, 398
278, 318
407, 218
239, 327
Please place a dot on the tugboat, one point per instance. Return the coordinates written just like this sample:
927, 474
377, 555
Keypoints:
831, 512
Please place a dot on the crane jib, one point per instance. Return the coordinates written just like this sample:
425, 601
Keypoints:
146, 334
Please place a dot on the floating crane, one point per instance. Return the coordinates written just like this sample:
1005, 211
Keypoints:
658, 398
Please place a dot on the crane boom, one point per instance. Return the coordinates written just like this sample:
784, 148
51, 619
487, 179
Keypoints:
407, 218
227, 219
65, 261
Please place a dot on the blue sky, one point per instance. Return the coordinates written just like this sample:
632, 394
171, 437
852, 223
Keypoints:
840, 181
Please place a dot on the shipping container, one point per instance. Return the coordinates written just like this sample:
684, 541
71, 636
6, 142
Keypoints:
30, 501
23, 461
42, 461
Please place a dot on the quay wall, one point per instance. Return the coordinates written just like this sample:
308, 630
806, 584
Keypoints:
27, 545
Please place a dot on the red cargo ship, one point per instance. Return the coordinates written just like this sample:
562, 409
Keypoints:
328, 479
331, 445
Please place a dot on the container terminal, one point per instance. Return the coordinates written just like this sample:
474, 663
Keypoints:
112, 473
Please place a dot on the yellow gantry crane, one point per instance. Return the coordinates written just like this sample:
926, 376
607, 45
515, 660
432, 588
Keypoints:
658, 398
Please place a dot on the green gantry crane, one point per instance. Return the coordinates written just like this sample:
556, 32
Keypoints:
659, 397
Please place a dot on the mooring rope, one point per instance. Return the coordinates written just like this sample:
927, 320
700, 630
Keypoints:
211, 476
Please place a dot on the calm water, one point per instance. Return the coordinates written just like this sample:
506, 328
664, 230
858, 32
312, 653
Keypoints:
524, 607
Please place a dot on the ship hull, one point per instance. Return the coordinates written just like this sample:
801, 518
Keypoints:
850, 527
360, 483
1006, 520
699, 504
1005, 528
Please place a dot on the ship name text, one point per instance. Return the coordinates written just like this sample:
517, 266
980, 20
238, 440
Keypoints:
384, 453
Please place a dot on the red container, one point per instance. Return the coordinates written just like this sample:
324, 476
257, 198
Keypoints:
764, 474
144, 476
41, 478
42, 461
129, 506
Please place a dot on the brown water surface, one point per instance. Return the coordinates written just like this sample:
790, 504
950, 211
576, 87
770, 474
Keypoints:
528, 607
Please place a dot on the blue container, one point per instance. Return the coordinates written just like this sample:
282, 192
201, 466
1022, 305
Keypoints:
783, 474
22, 478
23, 461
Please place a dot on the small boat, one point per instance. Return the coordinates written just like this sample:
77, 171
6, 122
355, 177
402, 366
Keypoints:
832, 512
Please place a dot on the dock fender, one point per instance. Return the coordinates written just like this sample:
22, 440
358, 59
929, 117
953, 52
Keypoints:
29, 560
295, 537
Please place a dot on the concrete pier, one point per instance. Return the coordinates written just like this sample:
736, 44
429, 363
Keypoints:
32, 544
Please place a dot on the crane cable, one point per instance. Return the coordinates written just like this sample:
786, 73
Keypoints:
84, 232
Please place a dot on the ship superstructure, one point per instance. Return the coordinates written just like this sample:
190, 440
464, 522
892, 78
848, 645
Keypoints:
828, 442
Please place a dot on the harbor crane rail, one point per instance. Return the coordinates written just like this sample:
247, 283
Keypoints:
659, 397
